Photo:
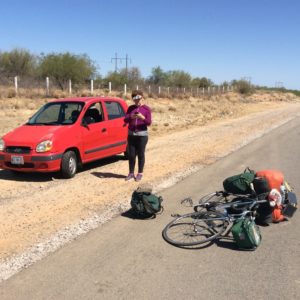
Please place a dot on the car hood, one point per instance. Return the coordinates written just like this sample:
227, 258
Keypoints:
31, 135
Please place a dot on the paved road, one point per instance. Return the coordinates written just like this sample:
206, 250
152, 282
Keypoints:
128, 259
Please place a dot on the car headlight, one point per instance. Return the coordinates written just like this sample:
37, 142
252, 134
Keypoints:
44, 146
2, 145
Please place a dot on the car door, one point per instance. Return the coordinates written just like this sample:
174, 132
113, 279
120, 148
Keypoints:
116, 127
95, 136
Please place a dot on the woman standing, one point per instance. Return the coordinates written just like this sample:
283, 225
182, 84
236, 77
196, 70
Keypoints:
138, 117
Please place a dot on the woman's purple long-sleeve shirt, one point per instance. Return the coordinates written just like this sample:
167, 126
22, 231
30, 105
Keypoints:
138, 124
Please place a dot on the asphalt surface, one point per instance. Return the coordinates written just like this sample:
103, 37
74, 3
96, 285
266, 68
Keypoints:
128, 259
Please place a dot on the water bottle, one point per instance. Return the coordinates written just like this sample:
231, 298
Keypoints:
283, 192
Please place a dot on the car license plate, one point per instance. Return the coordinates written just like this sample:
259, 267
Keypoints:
17, 160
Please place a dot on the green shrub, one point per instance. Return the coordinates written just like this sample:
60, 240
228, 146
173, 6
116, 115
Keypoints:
244, 87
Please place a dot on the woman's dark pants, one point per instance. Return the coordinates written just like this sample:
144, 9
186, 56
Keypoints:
136, 147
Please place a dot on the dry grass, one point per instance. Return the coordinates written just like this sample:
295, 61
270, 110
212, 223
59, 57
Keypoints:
168, 114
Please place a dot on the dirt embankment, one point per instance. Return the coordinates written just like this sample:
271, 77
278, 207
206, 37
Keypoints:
41, 212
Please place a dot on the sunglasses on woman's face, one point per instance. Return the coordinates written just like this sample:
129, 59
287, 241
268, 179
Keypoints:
137, 97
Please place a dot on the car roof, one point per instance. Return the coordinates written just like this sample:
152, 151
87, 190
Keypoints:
87, 99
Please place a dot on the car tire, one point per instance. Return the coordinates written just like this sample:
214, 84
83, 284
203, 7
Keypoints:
69, 164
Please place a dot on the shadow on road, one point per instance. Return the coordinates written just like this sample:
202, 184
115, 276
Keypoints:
101, 162
107, 175
227, 243
45, 177
26, 177
132, 215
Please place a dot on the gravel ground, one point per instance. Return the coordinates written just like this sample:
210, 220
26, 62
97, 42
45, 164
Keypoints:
41, 213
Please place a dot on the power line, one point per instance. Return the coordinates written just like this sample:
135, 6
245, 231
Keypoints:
279, 84
119, 59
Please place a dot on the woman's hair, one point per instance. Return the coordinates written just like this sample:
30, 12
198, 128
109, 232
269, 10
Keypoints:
137, 93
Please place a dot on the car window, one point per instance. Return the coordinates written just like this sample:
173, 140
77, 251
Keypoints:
58, 113
50, 114
94, 114
114, 110
71, 113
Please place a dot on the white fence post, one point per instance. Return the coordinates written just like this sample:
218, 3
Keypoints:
137, 87
92, 86
159, 90
203, 90
109, 87
149, 89
70, 86
208, 90
168, 90
184, 90
125, 89
16, 84
47, 86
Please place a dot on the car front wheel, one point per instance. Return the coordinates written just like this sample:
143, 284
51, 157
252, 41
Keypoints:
69, 164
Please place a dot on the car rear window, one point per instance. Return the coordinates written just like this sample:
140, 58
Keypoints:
114, 110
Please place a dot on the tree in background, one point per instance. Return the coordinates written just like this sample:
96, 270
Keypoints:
202, 82
133, 75
64, 66
242, 86
158, 76
17, 62
178, 78
225, 84
117, 79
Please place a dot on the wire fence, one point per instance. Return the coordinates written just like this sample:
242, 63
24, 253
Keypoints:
29, 87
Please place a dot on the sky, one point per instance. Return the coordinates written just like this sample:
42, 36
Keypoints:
219, 39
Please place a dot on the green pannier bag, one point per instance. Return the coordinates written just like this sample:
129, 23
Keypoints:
246, 234
145, 204
240, 184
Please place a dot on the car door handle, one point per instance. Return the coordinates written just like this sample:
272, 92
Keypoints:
103, 130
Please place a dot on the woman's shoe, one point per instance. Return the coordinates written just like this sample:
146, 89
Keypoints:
138, 177
129, 177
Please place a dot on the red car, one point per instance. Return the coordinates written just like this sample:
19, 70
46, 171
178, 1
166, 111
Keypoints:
66, 133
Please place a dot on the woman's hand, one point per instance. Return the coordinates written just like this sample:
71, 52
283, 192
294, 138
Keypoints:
138, 115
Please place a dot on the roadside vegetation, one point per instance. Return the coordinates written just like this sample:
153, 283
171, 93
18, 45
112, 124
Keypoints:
62, 68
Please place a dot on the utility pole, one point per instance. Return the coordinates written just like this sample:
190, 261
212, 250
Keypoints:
116, 59
126, 60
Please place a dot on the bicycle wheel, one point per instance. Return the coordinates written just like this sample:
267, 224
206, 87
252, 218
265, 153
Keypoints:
195, 228
220, 197
211, 200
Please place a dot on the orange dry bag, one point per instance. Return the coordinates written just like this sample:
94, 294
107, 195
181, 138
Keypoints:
277, 215
275, 178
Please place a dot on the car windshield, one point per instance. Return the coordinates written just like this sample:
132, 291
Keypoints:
57, 113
